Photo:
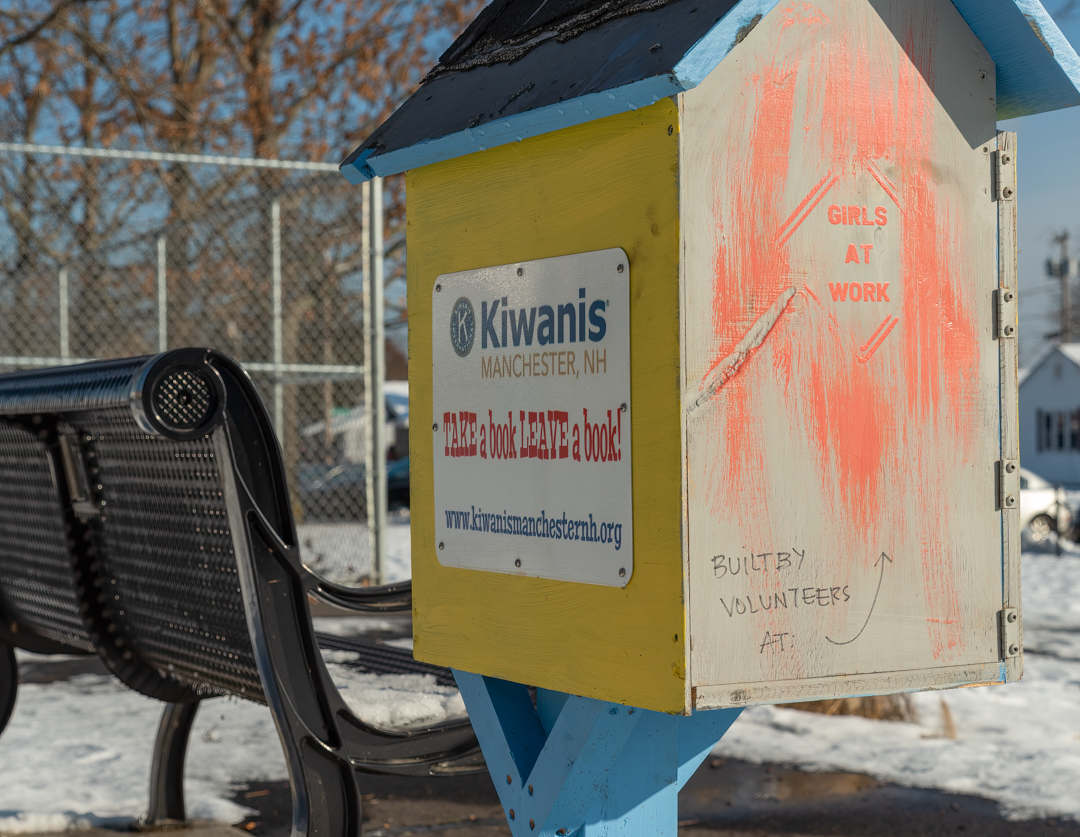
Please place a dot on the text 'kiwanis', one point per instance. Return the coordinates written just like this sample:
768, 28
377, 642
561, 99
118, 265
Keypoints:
534, 434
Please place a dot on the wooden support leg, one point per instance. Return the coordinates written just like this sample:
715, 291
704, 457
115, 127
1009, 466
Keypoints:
577, 767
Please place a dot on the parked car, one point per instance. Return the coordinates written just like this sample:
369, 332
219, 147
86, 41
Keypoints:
1043, 509
339, 492
347, 439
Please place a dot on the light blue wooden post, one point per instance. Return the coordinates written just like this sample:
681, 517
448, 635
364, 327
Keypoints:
578, 767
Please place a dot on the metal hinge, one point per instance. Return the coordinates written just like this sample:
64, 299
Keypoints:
1004, 176
1009, 631
1008, 484
1005, 310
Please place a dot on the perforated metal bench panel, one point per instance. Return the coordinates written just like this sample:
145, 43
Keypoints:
167, 552
38, 588
142, 519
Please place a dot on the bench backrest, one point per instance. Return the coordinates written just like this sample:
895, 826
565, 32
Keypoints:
112, 493
144, 515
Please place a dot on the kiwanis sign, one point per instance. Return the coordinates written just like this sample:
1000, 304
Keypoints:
531, 389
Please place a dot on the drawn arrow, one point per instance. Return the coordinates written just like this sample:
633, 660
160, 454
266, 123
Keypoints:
872, 604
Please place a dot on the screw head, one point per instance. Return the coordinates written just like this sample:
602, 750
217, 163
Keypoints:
521, 271
620, 268
622, 572
1007, 191
532, 825
622, 407
511, 813
435, 426
517, 562
1012, 617
438, 287
530, 790
1011, 468
1009, 331
441, 544
1008, 296
1014, 650
1010, 500
508, 779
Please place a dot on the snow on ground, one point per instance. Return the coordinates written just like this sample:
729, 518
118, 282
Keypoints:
1018, 744
340, 552
405, 700
77, 752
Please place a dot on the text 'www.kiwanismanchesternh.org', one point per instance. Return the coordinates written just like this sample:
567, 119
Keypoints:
562, 528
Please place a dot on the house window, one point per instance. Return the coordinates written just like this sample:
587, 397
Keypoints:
1057, 430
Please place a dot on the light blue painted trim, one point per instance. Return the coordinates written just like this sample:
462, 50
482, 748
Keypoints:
1059, 48
549, 705
698, 735
701, 60
704, 56
642, 800
358, 171
1037, 68
516, 128
603, 770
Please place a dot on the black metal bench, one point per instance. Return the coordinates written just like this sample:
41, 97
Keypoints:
144, 517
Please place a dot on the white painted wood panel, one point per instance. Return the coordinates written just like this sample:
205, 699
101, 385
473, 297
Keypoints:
842, 384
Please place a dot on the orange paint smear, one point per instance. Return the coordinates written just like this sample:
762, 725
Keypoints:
869, 441
749, 271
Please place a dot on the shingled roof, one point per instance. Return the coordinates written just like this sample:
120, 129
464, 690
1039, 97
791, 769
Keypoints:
528, 67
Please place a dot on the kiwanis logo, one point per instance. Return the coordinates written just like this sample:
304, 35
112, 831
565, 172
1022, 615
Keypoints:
462, 327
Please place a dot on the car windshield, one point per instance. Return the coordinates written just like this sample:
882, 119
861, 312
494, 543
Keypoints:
398, 403
1030, 480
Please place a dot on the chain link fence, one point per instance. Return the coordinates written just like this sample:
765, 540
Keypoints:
111, 254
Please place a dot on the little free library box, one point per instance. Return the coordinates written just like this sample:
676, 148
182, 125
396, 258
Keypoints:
712, 337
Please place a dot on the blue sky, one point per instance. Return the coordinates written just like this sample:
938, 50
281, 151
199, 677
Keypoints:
1048, 191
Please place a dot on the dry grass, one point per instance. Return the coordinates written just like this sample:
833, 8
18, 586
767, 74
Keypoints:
948, 727
877, 707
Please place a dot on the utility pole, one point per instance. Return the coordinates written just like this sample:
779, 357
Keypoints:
1063, 269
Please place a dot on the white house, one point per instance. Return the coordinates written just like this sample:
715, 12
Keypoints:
1050, 415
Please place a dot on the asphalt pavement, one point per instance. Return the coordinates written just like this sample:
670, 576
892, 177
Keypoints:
725, 798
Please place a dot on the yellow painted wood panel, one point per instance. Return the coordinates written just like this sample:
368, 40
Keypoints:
608, 183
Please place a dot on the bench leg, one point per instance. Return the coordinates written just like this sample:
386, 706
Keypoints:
9, 683
167, 769
577, 767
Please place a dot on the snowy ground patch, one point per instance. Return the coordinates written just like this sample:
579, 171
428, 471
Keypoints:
1018, 744
77, 752
340, 552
